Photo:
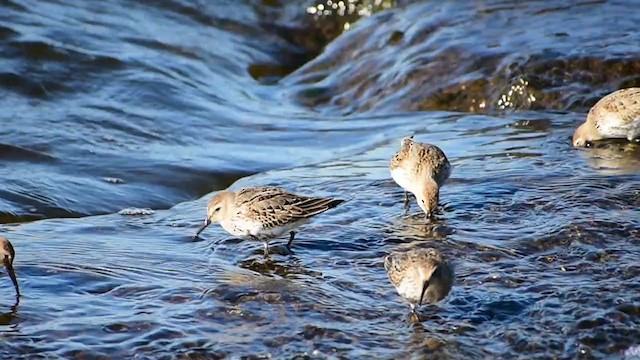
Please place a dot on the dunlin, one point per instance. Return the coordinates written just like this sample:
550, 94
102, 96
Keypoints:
420, 169
263, 213
615, 116
421, 276
8, 254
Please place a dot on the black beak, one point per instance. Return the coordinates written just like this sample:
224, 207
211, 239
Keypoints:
12, 274
206, 223
424, 290
431, 216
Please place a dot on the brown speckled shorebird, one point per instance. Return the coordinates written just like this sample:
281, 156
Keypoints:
420, 169
8, 254
421, 276
263, 213
615, 116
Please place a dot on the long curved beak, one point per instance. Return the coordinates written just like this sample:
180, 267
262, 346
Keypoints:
425, 285
12, 275
206, 223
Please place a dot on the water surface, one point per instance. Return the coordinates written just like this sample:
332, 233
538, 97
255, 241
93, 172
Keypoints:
122, 118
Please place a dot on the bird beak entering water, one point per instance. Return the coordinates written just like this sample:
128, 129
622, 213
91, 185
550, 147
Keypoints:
424, 290
12, 274
206, 223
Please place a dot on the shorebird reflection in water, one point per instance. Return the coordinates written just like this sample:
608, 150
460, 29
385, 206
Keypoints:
420, 276
263, 213
8, 254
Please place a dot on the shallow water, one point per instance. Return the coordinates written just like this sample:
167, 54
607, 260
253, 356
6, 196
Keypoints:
122, 118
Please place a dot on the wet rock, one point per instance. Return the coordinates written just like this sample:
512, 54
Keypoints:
483, 59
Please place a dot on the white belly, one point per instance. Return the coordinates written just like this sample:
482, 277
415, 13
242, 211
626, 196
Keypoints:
404, 178
410, 290
281, 230
247, 229
634, 129
241, 228
614, 127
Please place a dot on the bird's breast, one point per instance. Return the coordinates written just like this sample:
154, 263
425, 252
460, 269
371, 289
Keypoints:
240, 227
405, 177
410, 289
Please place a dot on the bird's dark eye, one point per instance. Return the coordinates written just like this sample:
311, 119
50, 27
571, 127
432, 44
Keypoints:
216, 209
588, 144
397, 266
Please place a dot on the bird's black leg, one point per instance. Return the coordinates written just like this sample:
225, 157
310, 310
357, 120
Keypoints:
407, 205
292, 235
265, 243
431, 216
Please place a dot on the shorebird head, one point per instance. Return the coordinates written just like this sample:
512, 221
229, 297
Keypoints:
587, 132
407, 141
428, 198
216, 209
580, 136
8, 254
399, 157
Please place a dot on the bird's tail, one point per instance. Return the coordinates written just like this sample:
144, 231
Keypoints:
315, 206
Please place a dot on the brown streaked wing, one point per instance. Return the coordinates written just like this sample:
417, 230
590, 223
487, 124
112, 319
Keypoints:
281, 208
275, 210
398, 268
625, 102
429, 257
631, 105
256, 194
315, 206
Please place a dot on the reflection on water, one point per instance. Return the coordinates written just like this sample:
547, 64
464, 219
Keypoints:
121, 119
614, 158
9, 317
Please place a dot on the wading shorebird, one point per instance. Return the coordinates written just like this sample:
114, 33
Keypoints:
263, 213
8, 254
421, 276
615, 116
420, 169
